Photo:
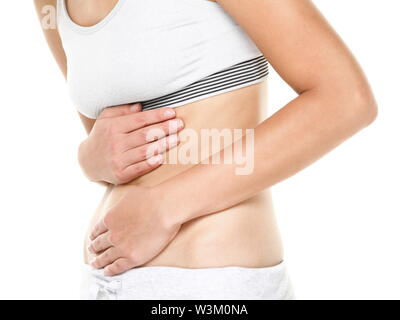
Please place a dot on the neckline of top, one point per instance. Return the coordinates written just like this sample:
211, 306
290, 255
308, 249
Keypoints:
95, 27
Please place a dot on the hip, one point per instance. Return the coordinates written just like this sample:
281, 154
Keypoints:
174, 283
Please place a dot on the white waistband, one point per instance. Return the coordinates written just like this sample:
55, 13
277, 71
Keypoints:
175, 283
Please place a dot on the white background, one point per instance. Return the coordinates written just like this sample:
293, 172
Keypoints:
339, 218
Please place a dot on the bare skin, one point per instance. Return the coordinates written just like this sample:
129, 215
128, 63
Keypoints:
231, 221
245, 235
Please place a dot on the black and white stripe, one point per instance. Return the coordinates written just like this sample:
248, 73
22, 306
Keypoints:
235, 76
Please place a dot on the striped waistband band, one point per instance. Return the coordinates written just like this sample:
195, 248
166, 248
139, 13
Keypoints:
236, 76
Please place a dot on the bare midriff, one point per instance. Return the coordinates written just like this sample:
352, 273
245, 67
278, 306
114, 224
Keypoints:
244, 235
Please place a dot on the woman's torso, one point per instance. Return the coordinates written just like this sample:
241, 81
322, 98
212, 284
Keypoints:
244, 235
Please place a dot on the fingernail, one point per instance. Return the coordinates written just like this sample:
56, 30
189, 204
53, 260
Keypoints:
175, 124
180, 123
136, 107
156, 159
169, 113
89, 249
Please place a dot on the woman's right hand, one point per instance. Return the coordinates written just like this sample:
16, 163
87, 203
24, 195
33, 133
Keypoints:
125, 143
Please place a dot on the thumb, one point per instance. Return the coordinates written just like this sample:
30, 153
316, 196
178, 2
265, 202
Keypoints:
120, 110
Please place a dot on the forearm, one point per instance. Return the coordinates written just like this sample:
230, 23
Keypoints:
307, 128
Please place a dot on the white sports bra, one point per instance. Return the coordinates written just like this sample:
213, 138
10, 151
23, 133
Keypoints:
157, 52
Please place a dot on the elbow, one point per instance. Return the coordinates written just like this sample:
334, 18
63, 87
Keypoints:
368, 109
361, 109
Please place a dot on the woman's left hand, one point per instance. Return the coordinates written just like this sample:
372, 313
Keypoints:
132, 232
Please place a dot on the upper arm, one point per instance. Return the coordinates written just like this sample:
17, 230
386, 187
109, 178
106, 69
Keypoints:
54, 41
299, 43
51, 34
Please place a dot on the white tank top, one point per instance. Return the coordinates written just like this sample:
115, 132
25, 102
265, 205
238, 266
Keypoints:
144, 50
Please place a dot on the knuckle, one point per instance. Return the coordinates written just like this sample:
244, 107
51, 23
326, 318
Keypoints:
116, 164
149, 136
141, 135
96, 229
151, 151
144, 152
135, 259
168, 126
105, 256
156, 132
93, 246
116, 266
141, 120
113, 238
146, 136
99, 262
162, 145
162, 113
132, 258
